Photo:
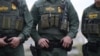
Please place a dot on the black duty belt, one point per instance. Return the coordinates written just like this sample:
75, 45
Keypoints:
8, 34
56, 44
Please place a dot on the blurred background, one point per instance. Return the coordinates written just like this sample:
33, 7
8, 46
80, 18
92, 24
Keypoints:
79, 5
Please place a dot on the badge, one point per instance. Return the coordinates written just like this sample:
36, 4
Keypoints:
49, 9
14, 7
93, 15
59, 10
3, 8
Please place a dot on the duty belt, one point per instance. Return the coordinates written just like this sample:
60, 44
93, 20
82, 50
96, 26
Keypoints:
56, 44
8, 35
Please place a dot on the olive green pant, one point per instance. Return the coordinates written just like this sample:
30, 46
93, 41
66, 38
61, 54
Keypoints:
9, 51
54, 52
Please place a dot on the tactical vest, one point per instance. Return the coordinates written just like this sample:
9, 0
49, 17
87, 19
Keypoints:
91, 25
9, 16
51, 16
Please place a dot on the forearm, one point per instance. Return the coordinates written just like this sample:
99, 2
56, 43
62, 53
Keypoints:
27, 23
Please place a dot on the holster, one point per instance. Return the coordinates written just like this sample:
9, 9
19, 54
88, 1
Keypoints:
85, 50
33, 50
93, 46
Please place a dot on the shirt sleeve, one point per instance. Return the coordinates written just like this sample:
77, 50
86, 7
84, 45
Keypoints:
83, 22
35, 15
28, 21
73, 20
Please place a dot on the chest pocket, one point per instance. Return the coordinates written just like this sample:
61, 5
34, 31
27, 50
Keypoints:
92, 23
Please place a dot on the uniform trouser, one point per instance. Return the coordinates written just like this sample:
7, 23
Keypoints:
90, 52
54, 52
9, 51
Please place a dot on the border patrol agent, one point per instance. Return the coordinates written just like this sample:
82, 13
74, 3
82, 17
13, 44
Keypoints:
91, 29
57, 23
15, 27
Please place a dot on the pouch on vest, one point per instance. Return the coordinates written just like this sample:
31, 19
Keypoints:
57, 20
54, 20
91, 28
44, 21
51, 20
19, 23
12, 23
64, 25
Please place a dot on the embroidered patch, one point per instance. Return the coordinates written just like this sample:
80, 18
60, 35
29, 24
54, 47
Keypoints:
93, 15
49, 9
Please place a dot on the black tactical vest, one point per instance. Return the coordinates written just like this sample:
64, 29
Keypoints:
9, 16
51, 15
91, 25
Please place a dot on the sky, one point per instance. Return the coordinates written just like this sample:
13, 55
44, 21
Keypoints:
79, 5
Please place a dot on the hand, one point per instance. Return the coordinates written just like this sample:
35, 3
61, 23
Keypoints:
66, 41
2, 42
15, 41
43, 42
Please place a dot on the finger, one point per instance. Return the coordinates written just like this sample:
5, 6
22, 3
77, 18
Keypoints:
47, 40
11, 43
64, 45
4, 37
42, 45
68, 44
39, 42
10, 39
46, 44
5, 43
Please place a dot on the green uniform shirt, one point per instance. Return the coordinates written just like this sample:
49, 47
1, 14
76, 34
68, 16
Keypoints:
91, 12
54, 33
28, 20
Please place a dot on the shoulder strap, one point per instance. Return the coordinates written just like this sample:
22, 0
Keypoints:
19, 6
65, 9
